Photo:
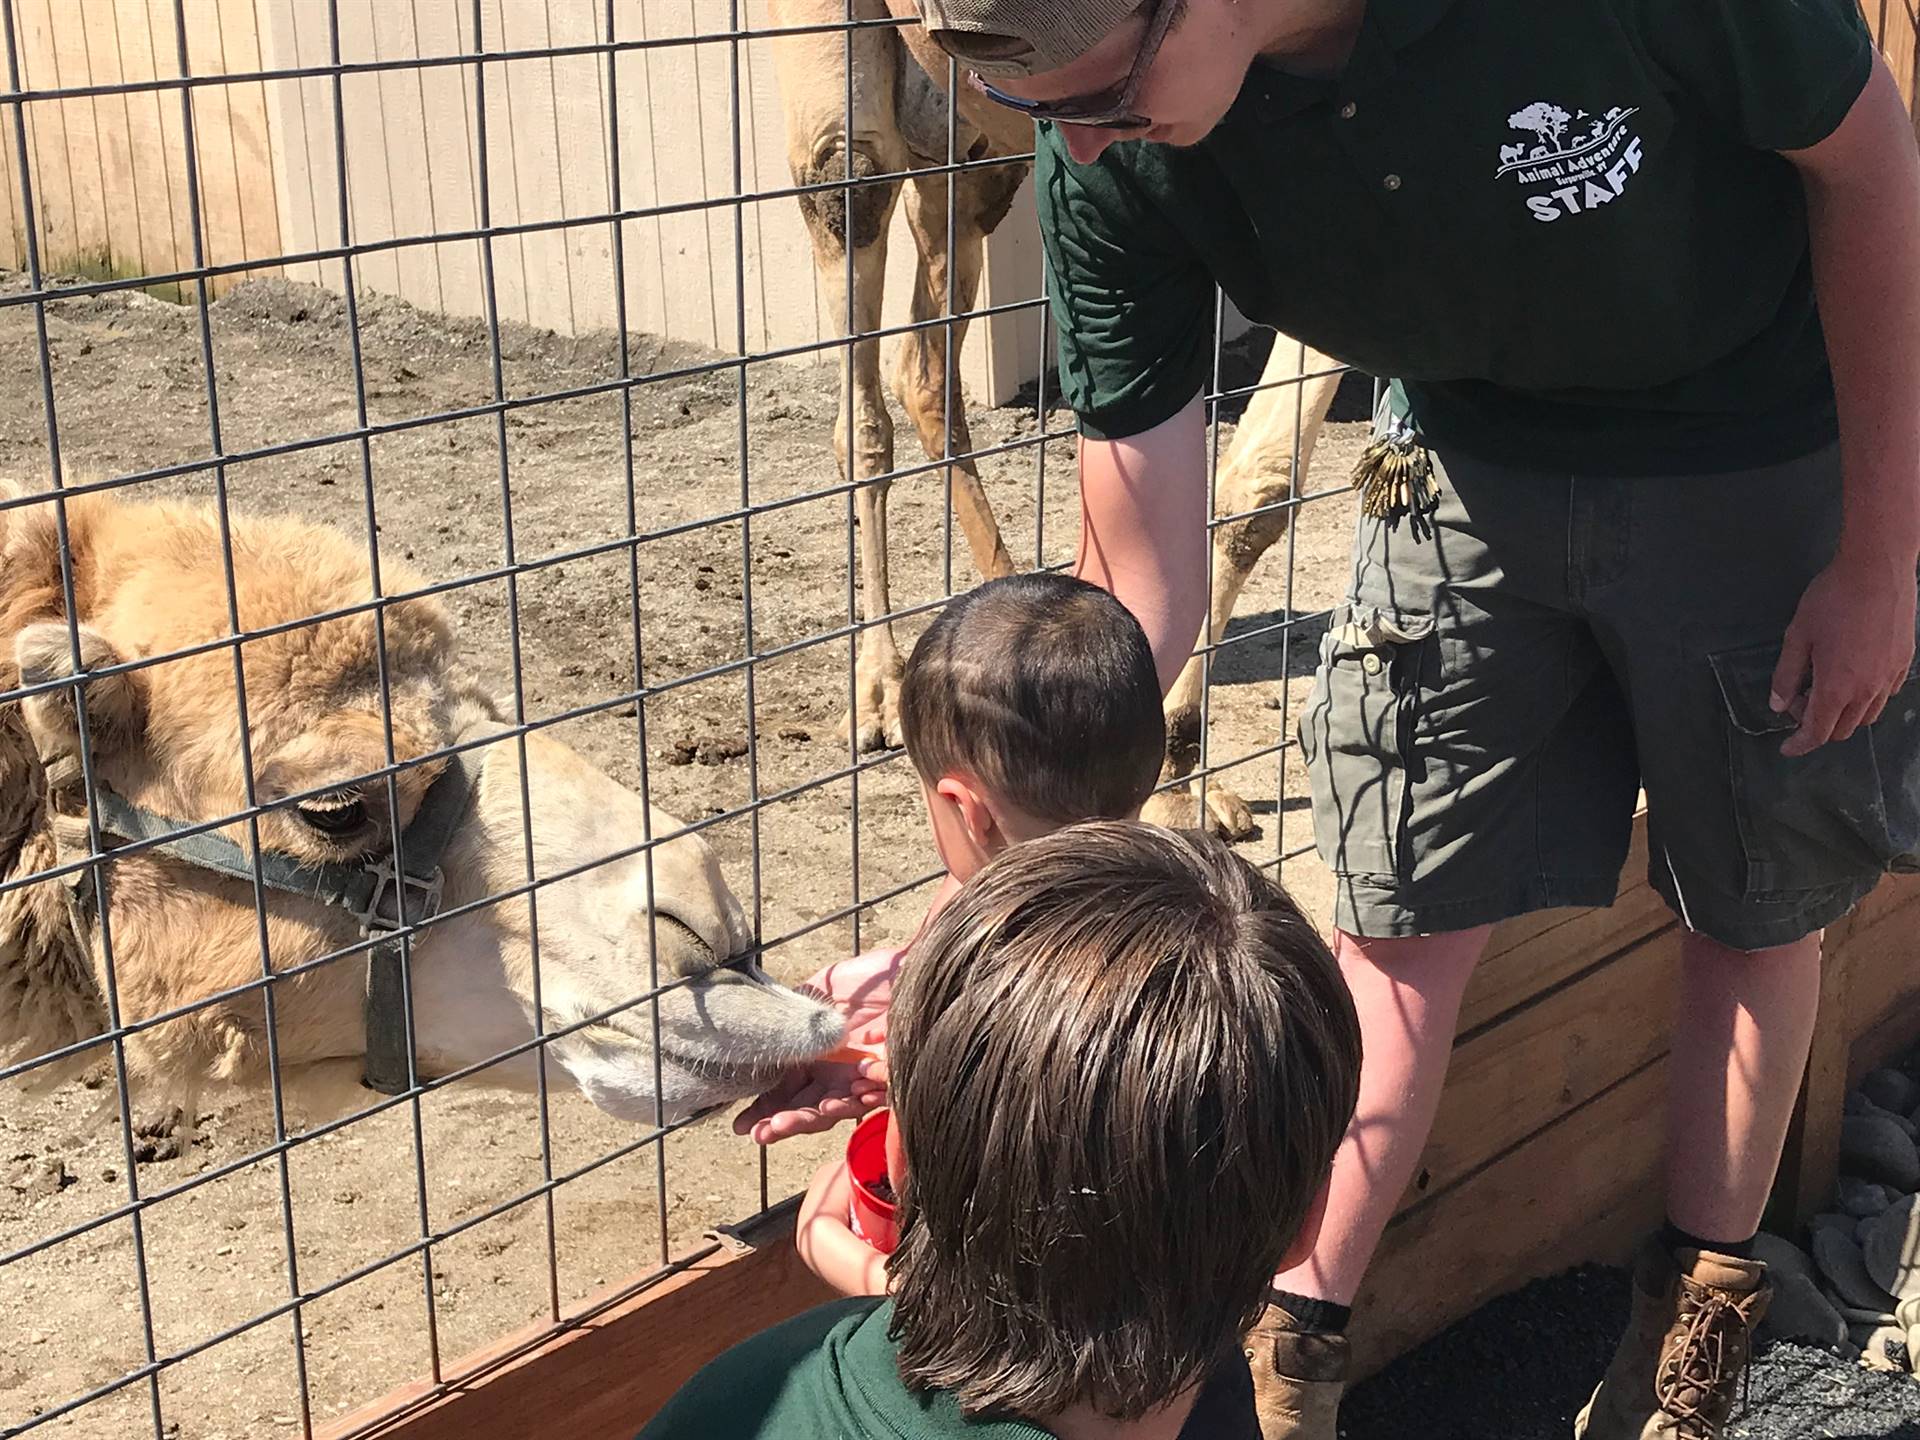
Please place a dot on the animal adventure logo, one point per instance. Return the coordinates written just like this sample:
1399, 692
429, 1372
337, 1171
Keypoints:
1576, 162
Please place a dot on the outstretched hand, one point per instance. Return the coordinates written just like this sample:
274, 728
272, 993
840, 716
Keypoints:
843, 1084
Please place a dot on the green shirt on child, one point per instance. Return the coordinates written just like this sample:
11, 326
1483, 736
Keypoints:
832, 1373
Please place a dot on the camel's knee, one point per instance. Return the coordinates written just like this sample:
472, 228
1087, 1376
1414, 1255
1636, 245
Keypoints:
1241, 543
867, 433
856, 215
920, 379
1183, 740
993, 190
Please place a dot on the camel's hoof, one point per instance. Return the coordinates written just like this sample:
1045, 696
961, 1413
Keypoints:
1226, 813
876, 713
159, 1123
875, 734
878, 720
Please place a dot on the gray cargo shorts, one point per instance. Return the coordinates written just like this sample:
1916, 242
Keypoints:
1496, 692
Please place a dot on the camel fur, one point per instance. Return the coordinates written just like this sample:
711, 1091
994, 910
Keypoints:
149, 582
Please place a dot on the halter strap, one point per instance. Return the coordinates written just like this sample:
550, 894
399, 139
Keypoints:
386, 903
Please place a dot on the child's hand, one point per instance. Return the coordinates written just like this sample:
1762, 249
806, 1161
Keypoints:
826, 1241
808, 1099
820, 1094
861, 987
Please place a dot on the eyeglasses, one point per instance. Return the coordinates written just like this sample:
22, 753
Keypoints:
1110, 109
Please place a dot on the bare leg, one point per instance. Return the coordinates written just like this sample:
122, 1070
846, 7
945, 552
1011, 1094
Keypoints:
920, 380
1742, 1030
1408, 996
1256, 473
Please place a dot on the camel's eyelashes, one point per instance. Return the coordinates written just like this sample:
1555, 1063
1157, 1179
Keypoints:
333, 814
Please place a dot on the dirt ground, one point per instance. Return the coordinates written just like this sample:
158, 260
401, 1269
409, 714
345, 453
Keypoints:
130, 394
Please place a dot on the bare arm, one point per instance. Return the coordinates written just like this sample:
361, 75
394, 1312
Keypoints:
1855, 626
1143, 530
827, 1243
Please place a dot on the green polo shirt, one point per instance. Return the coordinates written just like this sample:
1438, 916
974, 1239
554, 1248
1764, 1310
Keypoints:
832, 1373
1563, 227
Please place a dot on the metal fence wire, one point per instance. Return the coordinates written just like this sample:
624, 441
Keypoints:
374, 814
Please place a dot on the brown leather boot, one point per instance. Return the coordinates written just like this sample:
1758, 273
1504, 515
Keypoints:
1684, 1356
1298, 1378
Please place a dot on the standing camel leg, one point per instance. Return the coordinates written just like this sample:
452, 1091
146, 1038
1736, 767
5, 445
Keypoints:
824, 145
1257, 473
920, 377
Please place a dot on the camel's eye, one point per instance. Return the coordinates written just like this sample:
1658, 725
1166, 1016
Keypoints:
334, 815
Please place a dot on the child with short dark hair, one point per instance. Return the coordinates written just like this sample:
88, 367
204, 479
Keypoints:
1031, 703
1122, 1061
1028, 703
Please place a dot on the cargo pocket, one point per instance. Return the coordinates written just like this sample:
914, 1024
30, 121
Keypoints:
1357, 736
1841, 815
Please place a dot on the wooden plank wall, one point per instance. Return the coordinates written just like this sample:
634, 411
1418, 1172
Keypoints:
112, 198
1559, 1071
1896, 24
1871, 989
413, 163
110, 171
623, 1356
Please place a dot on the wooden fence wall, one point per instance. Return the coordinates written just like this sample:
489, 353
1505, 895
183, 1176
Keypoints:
112, 198
1896, 23
109, 171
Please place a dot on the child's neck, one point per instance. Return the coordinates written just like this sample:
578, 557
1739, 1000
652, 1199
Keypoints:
1084, 1423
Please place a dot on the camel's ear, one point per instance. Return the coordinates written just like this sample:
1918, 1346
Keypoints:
44, 651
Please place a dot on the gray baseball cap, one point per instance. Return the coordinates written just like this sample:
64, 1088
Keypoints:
1021, 37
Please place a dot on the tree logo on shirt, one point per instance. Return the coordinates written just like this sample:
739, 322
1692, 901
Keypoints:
1574, 162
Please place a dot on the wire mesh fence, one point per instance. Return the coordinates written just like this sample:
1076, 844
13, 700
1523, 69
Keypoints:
447, 671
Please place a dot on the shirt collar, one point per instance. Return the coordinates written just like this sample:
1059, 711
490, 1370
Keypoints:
1386, 27
1402, 22
870, 1377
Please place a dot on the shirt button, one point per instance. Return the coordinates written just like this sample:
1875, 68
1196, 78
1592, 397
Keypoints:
1349, 110
1392, 182
1371, 663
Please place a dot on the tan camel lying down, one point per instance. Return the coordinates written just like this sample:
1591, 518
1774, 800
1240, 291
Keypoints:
148, 580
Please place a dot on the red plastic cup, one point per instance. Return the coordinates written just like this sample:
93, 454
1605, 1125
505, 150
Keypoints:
873, 1217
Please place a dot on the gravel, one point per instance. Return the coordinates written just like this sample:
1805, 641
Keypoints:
1521, 1367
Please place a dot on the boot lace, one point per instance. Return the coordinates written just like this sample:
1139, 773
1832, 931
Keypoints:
1706, 1349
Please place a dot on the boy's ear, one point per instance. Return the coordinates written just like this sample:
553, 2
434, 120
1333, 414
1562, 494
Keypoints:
975, 814
1308, 1235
